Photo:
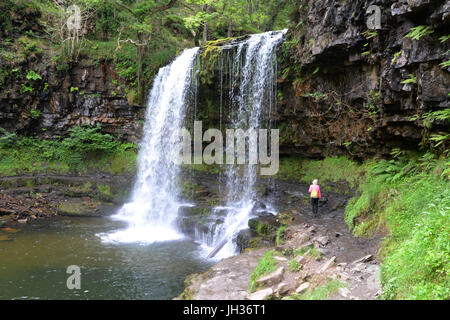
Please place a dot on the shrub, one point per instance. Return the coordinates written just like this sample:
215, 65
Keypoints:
87, 140
85, 149
409, 198
7, 139
32, 75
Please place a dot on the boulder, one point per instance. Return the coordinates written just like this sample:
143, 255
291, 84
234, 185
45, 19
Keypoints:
281, 259
367, 258
326, 265
302, 259
344, 292
282, 288
272, 278
263, 294
323, 241
311, 229
265, 226
302, 288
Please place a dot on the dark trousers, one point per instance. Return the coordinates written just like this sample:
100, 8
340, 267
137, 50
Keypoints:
315, 205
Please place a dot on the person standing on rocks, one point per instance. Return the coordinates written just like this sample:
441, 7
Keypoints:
314, 191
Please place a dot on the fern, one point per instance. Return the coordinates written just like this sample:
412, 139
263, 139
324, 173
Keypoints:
444, 38
31, 75
439, 139
445, 64
418, 32
368, 34
442, 115
396, 56
412, 79
8, 139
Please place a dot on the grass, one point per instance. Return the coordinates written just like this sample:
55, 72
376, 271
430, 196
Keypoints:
409, 200
80, 153
310, 251
266, 265
320, 292
280, 233
331, 169
28, 160
294, 265
72, 208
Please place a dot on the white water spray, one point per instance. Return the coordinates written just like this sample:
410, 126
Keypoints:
154, 205
253, 71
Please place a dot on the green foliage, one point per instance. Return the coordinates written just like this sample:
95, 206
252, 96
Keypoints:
32, 75
444, 38
373, 105
435, 141
418, 32
35, 113
85, 149
139, 36
294, 265
445, 64
396, 56
85, 140
412, 79
280, 233
73, 89
320, 292
104, 189
317, 96
25, 88
29, 46
105, 22
369, 34
7, 139
331, 169
239, 16
410, 198
265, 266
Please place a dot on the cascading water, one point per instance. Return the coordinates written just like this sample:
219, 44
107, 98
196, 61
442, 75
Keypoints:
251, 70
154, 205
252, 77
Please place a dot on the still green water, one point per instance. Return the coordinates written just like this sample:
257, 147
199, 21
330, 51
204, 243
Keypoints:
33, 262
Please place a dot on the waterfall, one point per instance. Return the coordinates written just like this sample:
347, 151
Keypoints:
154, 204
252, 70
248, 68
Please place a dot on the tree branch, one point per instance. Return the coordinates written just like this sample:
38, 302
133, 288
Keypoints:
125, 7
165, 7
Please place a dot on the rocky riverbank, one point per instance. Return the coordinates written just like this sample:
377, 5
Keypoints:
315, 255
30, 197
311, 253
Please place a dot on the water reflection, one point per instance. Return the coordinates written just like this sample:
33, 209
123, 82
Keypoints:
33, 263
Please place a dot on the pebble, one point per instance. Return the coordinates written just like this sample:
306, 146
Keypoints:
261, 294
344, 292
302, 287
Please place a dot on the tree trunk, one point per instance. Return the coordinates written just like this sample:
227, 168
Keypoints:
274, 14
206, 26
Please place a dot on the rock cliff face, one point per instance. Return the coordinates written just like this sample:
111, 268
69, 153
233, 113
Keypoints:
43, 96
83, 94
340, 87
342, 90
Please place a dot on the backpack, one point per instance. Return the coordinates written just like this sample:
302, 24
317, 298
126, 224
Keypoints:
314, 193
